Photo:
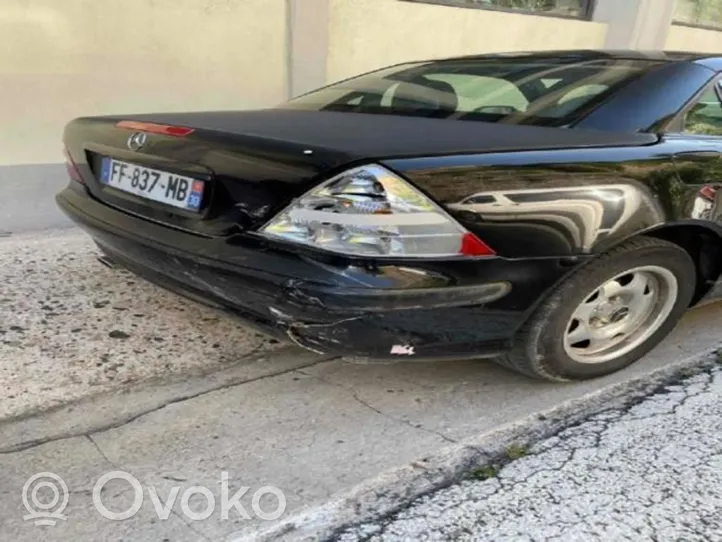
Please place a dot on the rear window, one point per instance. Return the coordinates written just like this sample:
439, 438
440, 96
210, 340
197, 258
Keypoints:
510, 89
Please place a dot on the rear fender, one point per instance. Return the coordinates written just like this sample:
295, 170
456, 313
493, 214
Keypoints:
552, 203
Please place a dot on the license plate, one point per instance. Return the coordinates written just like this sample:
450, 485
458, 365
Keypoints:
161, 186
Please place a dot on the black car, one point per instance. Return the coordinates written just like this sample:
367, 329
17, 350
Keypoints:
557, 211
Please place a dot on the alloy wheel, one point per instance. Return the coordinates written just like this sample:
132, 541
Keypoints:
621, 314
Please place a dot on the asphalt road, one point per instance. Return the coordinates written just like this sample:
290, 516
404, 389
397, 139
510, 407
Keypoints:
179, 395
652, 472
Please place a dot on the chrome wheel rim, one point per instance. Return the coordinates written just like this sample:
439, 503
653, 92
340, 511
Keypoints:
621, 314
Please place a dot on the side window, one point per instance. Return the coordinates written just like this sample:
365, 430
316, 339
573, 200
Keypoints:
705, 116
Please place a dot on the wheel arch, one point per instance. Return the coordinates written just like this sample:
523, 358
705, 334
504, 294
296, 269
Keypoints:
703, 243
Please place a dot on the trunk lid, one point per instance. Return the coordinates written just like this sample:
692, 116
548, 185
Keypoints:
247, 179
253, 163
376, 136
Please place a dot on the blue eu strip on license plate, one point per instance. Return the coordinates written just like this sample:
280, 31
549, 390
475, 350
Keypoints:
156, 185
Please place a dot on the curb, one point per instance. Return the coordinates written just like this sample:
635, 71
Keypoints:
107, 410
392, 490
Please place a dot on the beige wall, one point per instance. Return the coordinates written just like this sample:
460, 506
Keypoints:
684, 38
368, 34
64, 58
635, 24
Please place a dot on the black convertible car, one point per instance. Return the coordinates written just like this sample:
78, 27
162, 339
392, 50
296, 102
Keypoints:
557, 211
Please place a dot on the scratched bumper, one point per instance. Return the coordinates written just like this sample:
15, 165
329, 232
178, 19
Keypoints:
414, 334
286, 294
433, 323
372, 327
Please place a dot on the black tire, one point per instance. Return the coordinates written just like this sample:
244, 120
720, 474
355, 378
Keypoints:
538, 349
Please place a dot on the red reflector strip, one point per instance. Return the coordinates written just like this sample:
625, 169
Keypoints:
177, 131
471, 245
72, 168
73, 173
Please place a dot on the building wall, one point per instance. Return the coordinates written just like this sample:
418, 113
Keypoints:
635, 24
65, 58
368, 34
685, 38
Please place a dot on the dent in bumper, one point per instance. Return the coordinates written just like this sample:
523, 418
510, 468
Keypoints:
451, 333
385, 300
447, 322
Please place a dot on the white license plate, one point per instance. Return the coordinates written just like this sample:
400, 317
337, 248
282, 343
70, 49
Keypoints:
161, 186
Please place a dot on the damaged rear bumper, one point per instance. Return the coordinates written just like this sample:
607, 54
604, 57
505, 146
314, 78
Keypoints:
382, 324
317, 305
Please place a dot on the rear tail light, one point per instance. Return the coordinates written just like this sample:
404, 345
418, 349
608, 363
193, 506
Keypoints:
370, 211
72, 168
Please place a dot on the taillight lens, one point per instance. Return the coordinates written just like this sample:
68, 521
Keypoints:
370, 211
72, 168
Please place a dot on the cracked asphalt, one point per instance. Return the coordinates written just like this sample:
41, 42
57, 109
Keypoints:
650, 472
89, 387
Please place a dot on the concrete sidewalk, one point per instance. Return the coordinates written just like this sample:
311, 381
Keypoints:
267, 415
70, 327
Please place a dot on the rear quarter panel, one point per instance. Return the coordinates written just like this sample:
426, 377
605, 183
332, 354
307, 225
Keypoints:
563, 202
